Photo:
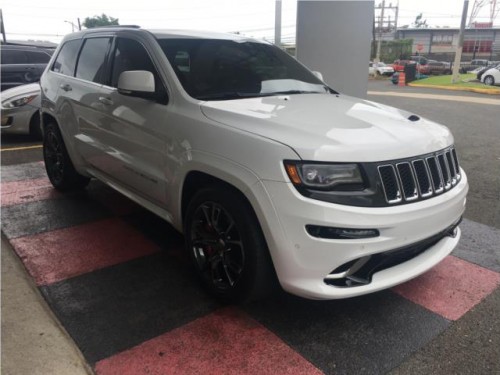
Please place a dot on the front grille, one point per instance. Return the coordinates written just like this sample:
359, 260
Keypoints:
419, 177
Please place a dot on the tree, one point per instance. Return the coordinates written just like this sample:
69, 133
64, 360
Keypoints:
419, 23
102, 20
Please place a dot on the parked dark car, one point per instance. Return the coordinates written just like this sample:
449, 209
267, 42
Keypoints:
21, 65
439, 67
422, 66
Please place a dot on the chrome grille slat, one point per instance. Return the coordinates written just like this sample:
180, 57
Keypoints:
445, 171
457, 165
421, 177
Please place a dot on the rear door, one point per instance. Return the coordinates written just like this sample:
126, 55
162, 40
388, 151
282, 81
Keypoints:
78, 104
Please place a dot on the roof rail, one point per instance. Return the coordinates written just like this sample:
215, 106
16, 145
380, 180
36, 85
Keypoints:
118, 26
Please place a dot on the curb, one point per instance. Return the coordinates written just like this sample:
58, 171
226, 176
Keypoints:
450, 88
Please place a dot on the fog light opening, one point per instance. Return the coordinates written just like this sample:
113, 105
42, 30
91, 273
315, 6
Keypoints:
341, 233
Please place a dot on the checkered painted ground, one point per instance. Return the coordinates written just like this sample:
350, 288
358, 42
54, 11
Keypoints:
118, 280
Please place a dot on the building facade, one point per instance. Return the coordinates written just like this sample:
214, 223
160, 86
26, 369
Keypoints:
440, 43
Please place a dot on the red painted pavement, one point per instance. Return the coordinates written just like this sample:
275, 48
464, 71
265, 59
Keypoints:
451, 288
225, 342
25, 191
64, 253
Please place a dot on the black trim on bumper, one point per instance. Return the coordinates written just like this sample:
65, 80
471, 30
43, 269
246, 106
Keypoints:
359, 271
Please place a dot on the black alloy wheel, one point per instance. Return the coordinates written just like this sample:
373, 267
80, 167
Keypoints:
217, 246
60, 169
226, 245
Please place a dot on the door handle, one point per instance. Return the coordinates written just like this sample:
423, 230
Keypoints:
66, 87
106, 101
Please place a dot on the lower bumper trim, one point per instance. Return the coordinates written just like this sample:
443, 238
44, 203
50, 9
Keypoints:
359, 271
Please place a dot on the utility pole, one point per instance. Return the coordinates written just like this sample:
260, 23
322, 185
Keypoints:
277, 24
458, 54
2, 27
79, 24
381, 24
381, 27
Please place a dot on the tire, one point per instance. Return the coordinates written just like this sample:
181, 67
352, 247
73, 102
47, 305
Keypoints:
60, 169
226, 246
489, 80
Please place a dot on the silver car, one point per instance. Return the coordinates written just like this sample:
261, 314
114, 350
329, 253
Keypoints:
20, 110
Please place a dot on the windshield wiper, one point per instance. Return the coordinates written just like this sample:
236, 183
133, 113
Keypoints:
231, 95
228, 95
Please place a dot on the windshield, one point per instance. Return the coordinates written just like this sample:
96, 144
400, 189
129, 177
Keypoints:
214, 69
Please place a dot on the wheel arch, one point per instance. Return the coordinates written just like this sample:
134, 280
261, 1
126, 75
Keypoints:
47, 119
196, 180
35, 122
76, 159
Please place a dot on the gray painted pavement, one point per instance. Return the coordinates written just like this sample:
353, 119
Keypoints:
33, 341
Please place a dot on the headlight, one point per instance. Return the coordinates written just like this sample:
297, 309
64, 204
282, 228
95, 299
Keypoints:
323, 176
19, 101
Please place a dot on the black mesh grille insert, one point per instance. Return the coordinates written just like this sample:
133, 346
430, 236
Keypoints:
450, 164
444, 170
390, 183
436, 177
423, 179
407, 180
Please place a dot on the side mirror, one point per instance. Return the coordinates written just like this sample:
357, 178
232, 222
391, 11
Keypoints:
140, 83
318, 75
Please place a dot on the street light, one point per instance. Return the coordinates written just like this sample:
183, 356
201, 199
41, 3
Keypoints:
73, 26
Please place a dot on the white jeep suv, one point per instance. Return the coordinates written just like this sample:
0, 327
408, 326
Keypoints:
266, 170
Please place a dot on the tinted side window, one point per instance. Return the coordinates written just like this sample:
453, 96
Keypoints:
66, 60
92, 62
14, 57
36, 57
130, 55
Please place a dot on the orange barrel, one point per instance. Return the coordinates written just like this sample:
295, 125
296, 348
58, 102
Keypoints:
402, 79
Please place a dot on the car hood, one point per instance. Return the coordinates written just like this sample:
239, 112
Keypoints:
327, 127
21, 90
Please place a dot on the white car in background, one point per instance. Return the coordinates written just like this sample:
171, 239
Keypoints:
491, 76
380, 68
20, 110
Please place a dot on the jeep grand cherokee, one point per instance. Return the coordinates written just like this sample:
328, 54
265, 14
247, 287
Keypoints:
266, 170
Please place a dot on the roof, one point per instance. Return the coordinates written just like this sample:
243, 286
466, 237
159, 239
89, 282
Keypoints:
165, 33
197, 34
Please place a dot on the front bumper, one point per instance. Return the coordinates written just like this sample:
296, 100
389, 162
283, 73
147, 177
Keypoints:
17, 120
303, 262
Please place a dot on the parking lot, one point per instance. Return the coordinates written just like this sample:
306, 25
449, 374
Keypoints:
117, 279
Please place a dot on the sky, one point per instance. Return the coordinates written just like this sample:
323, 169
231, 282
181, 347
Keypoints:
51, 19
